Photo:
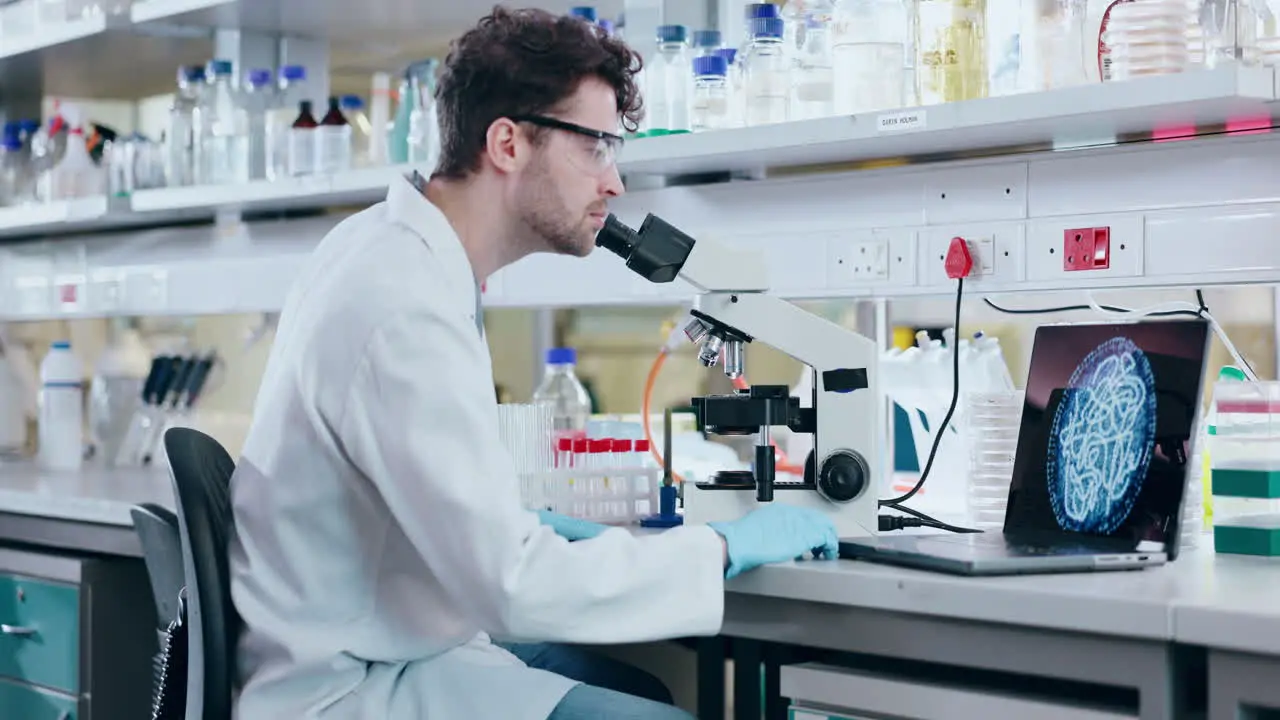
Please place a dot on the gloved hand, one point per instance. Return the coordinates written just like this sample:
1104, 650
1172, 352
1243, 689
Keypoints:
570, 528
777, 533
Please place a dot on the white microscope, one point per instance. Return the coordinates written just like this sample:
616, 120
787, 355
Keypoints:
732, 309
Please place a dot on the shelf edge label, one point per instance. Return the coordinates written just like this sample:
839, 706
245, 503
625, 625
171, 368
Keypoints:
901, 121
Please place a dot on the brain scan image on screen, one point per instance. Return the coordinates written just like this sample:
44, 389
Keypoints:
1101, 440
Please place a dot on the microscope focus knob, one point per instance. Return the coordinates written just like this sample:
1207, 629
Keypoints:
843, 477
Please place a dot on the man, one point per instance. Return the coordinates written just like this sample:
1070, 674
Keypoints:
379, 538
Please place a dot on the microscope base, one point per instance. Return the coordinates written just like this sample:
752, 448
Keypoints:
853, 519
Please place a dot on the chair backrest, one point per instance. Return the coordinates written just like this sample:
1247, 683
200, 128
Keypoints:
201, 471
161, 540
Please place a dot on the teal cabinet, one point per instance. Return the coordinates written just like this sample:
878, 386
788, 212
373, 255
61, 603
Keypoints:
40, 632
30, 703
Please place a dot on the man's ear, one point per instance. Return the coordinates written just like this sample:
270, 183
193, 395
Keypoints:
506, 146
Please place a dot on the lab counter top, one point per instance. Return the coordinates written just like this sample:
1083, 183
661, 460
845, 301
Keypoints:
1221, 601
86, 511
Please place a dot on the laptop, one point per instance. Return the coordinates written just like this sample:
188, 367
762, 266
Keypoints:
1102, 458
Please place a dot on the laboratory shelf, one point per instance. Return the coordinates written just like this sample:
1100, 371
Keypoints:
51, 37
1075, 117
356, 187
57, 217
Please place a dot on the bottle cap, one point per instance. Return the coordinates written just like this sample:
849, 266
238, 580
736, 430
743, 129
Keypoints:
60, 345
352, 102
564, 444
759, 10
672, 33
767, 27
562, 356
335, 102
580, 446
607, 26
622, 446
710, 65
193, 73
220, 68
585, 12
707, 38
729, 54
600, 446
642, 446
293, 72
259, 77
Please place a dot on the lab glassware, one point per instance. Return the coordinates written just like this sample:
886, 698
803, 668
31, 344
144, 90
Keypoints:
1246, 467
951, 50
181, 148
710, 93
257, 100
362, 135
767, 74
333, 140
1053, 43
1230, 30
668, 82
706, 42
737, 113
814, 88
562, 392
291, 90
224, 147
302, 142
992, 425
869, 55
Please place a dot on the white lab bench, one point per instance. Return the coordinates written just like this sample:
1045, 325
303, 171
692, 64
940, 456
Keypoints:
1205, 619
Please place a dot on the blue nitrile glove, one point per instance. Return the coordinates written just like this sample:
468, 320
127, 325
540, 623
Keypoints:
777, 533
570, 528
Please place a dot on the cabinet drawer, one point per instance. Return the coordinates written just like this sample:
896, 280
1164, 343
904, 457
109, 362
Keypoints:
40, 633
30, 703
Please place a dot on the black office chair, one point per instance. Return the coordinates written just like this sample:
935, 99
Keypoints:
201, 472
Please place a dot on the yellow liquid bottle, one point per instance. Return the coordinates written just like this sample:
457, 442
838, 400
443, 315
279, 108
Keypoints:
951, 50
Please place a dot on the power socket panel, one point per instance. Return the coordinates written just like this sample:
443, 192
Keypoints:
871, 258
1053, 253
996, 249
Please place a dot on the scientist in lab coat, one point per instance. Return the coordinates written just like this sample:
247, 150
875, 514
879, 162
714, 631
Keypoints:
379, 542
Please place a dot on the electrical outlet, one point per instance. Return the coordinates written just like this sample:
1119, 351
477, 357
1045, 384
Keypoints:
869, 260
994, 247
1086, 249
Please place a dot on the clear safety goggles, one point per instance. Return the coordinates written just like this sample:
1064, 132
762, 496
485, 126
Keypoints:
594, 157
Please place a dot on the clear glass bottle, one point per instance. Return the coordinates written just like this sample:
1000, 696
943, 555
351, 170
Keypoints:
258, 99
361, 130
291, 90
710, 94
951, 50
814, 81
1051, 37
737, 93
767, 74
302, 142
706, 42
333, 140
180, 141
224, 146
869, 55
1230, 30
564, 393
423, 137
669, 83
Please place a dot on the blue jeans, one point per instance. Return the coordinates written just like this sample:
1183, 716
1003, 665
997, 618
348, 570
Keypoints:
610, 689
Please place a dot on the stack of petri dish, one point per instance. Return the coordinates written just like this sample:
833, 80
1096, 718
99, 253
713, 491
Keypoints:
1148, 37
1269, 49
993, 421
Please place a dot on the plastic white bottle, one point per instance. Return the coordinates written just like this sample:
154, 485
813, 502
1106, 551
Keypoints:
76, 175
61, 425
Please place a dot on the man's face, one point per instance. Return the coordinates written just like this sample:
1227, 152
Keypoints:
562, 195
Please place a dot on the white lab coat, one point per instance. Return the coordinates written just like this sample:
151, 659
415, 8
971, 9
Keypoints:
380, 538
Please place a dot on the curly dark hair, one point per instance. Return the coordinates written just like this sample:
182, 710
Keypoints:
524, 62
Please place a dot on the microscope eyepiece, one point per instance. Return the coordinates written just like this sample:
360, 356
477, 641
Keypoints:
617, 238
656, 252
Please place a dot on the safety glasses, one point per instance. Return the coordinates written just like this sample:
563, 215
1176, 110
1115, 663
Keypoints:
601, 155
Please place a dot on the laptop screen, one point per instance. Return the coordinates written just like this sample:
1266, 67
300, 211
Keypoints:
1107, 430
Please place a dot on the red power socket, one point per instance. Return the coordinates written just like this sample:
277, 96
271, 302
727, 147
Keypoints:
1086, 249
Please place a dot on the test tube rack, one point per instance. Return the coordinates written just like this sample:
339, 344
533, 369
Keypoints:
612, 496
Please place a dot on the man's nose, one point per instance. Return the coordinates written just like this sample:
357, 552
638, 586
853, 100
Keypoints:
612, 183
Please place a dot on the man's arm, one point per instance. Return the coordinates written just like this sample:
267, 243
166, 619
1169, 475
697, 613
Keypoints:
420, 422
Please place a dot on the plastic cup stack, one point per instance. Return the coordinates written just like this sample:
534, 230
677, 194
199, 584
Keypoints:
994, 420
526, 432
1148, 37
